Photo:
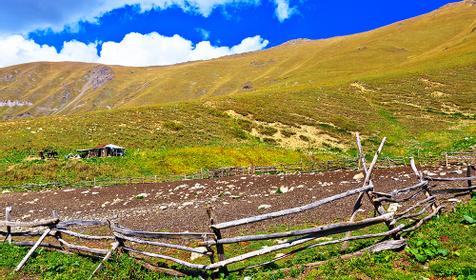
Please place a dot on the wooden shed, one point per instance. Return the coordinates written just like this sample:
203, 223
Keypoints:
109, 150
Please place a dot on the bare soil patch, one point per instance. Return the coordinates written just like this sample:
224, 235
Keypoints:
182, 205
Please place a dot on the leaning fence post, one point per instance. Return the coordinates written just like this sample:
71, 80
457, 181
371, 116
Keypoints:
419, 175
35, 246
218, 236
8, 211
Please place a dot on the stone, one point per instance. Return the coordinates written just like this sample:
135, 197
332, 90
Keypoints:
195, 256
264, 206
358, 176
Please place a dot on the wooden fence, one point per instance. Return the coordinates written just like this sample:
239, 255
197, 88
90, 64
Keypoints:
400, 211
296, 168
460, 157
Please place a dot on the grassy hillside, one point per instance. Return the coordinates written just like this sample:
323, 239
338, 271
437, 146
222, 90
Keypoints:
438, 39
412, 81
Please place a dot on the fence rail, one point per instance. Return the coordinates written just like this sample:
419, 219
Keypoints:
418, 204
301, 168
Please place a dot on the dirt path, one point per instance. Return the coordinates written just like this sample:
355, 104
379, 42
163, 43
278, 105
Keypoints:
182, 205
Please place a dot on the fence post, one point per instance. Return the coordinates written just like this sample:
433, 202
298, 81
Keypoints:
8, 211
446, 160
468, 174
94, 181
218, 236
58, 234
155, 179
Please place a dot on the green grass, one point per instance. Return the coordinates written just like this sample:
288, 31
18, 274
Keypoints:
444, 248
202, 137
412, 82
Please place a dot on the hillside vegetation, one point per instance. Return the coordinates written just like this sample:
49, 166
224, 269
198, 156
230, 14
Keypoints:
412, 81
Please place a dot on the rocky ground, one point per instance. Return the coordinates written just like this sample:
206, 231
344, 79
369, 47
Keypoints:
182, 205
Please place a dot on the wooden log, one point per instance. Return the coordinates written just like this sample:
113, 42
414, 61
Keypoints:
316, 232
44, 245
80, 223
70, 246
348, 234
85, 236
410, 188
424, 220
468, 175
419, 175
290, 211
342, 240
159, 244
218, 237
165, 235
40, 223
394, 200
414, 215
454, 179
168, 258
368, 173
27, 233
416, 205
108, 255
374, 160
454, 190
32, 249
270, 249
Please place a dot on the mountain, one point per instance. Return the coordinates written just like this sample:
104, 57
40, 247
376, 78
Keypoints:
445, 36
412, 81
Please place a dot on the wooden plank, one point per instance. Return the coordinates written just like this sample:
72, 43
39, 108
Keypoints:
32, 249
290, 211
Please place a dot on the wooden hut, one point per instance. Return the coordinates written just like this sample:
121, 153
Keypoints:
109, 150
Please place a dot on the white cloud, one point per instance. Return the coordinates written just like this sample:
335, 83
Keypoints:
154, 49
283, 10
135, 49
28, 15
16, 49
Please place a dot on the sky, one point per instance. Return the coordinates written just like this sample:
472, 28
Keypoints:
164, 32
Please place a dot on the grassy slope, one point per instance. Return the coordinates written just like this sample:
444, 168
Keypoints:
442, 249
405, 46
412, 81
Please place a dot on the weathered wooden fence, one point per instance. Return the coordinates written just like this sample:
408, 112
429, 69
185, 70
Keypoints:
401, 211
460, 157
296, 168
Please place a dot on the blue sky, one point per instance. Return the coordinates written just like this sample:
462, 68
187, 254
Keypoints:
116, 28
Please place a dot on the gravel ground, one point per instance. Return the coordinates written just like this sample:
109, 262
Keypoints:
182, 205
